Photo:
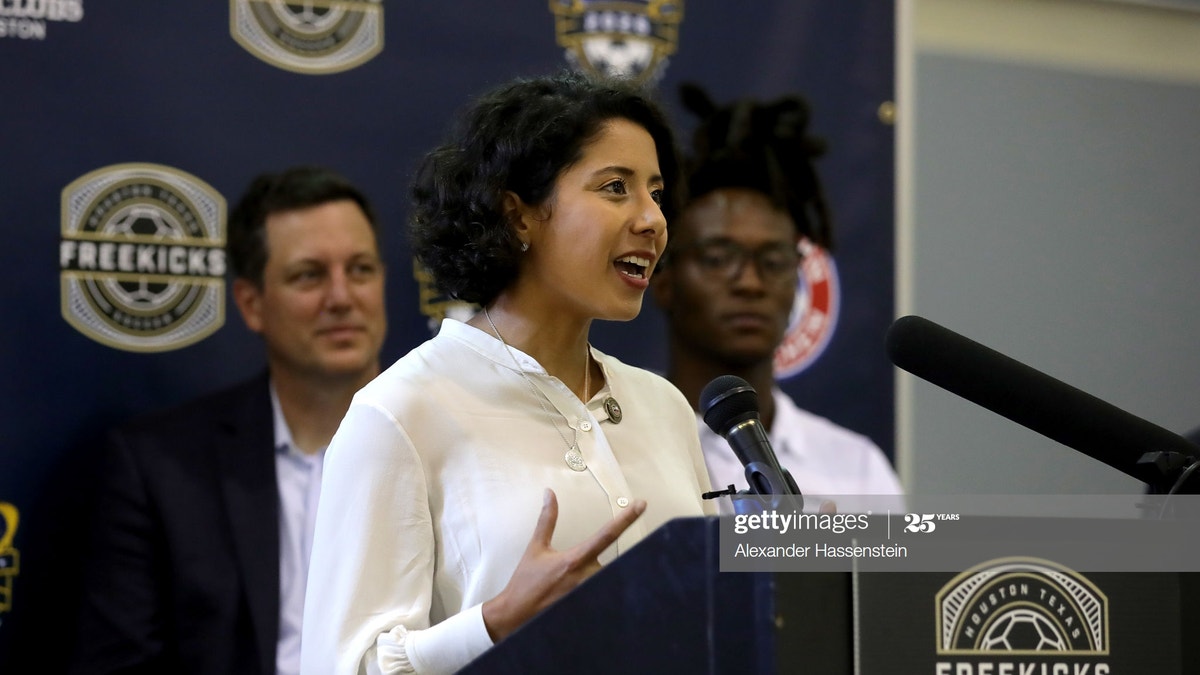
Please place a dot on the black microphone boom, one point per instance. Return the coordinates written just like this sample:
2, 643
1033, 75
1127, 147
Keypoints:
1033, 399
730, 407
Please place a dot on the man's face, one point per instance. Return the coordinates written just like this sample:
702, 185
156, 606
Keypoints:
729, 286
320, 308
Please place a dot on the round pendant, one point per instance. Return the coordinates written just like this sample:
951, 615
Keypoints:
613, 409
575, 460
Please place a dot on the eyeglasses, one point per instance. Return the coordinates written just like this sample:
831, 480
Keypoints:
727, 259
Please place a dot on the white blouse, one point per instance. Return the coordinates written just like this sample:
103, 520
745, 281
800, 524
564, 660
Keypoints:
434, 482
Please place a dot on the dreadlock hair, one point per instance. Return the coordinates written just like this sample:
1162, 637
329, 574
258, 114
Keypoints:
760, 146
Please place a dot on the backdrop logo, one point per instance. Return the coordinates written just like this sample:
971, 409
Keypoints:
10, 558
436, 305
628, 39
314, 37
1022, 607
814, 312
27, 19
142, 258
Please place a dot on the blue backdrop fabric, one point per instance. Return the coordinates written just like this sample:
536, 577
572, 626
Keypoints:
175, 88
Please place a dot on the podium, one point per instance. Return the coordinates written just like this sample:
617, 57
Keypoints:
664, 607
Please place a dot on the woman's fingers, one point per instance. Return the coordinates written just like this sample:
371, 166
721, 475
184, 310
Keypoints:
543, 532
544, 575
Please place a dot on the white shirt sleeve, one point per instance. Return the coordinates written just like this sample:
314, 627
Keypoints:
370, 588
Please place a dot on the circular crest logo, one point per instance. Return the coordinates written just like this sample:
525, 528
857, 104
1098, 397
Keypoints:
627, 39
814, 312
142, 258
313, 37
1021, 606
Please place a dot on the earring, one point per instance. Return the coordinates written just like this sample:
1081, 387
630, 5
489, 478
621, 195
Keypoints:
524, 246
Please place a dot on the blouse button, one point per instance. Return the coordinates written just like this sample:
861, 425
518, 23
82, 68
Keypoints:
585, 426
622, 502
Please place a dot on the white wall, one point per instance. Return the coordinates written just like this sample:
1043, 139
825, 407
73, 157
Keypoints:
1048, 206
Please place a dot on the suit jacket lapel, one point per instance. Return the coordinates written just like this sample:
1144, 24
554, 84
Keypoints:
247, 469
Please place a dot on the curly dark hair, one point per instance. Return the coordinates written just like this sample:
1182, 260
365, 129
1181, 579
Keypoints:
764, 147
518, 137
293, 188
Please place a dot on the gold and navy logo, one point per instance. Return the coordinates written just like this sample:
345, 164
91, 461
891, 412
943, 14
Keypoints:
1022, 607
142, 257
436, 305
626, 39
10, 557
313, 37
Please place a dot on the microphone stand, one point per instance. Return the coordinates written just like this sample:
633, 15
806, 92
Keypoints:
1175, 470
1173, 476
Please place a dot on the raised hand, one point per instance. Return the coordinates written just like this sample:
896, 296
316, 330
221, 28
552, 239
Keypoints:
544, 575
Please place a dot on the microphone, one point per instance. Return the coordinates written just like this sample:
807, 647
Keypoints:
730, 407
1037, 401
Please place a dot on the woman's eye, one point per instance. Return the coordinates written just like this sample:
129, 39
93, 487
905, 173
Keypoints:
657, 196
616, 187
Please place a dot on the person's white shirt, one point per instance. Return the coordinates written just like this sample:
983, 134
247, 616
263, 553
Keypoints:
823, 457
298, 478
434, 482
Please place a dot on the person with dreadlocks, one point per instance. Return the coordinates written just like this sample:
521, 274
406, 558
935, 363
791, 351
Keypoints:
728, 282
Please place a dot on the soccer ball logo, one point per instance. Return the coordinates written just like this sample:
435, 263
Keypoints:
1023, 630
141, 221
313, 37
308, 17
142, 257
1022, 605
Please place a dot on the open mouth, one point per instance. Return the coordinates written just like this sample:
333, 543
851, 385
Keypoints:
633, 266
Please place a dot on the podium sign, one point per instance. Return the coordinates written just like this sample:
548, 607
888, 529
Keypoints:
665, 607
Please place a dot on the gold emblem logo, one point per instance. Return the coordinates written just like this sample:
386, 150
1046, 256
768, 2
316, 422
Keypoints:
313, 37
1021, 606
142, 257
627, 39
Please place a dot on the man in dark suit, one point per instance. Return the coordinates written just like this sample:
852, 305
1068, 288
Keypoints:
204, 522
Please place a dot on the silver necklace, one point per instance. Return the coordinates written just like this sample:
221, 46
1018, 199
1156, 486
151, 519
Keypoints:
573, 456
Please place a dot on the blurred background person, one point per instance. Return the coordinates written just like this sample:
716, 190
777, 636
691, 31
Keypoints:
204, 523
728, 284
498, 465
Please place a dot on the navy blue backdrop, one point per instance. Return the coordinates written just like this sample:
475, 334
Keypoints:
91, 85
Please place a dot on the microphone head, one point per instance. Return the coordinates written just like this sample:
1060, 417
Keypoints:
917, 344
726, 401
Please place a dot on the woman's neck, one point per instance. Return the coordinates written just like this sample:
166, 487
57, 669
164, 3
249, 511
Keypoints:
559, 345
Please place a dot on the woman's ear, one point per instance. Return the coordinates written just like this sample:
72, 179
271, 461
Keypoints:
515, 212
522, 217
